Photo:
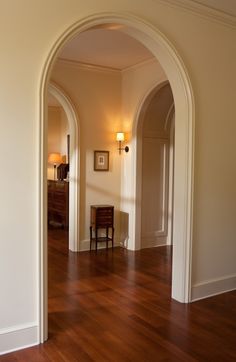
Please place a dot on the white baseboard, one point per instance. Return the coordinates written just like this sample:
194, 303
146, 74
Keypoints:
153, 241
84, 245
213, 287
18, 337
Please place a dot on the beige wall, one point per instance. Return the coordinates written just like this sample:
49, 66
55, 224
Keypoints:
208, 50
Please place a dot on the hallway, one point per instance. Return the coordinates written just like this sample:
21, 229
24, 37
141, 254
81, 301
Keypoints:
116, 306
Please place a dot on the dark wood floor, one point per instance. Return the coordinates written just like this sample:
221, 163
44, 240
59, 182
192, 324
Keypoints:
116, 306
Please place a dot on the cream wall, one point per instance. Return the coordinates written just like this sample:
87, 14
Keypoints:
96, 94
208, 50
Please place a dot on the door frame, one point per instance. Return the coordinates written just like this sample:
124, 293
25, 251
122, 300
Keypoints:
183, 187
180, 83
140, 118
73, 122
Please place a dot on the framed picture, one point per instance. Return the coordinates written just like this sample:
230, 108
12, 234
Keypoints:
101, 160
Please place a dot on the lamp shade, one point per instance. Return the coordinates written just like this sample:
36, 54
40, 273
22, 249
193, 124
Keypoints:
54, 158
120, 136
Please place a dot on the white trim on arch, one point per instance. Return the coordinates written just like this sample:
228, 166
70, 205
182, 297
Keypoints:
137, 136
137, 144
180, 83
72, 118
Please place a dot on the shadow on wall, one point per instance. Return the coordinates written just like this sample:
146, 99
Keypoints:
107, 193
102, 192
124, 228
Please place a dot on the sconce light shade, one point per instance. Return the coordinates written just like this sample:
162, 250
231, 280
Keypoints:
120, 136
54, 158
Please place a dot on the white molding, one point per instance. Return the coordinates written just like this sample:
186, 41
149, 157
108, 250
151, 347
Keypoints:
138, 146
85, 245
184, 165
53, 108
203, 11
213, 287
73, 122
74, 130
171, 180
172, 63
169, 116
154, 241
18, 337
144, 63
85, 66
104, 69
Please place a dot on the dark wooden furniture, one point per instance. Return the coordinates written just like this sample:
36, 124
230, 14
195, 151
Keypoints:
58, 203
102, 224
62, 171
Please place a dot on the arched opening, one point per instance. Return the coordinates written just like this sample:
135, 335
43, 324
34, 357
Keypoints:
184, 107
154, 182
72, 118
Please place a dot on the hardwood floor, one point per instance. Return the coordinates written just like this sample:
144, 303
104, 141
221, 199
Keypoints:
116, 306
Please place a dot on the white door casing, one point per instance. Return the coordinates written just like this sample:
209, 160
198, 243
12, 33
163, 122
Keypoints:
73, 122
154, 136
178, 77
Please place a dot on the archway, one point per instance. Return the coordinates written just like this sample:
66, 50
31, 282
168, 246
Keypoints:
158, 224
72, 118
184, 106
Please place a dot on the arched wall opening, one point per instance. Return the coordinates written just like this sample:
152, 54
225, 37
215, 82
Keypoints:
73, 122
184, 132
158, 200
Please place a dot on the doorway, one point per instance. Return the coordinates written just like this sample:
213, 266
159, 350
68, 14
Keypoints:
156, 163
181, 87
73, 145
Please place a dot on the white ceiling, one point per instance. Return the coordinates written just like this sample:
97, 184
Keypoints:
108, 47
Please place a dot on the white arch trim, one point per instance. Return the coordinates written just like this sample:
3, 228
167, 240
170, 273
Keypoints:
154, 40
72, 118
137, 155
138, 144
184, 163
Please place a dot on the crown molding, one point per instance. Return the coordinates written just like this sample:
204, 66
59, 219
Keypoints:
204, 11
140, 64
54, 107
99, 68
86, 66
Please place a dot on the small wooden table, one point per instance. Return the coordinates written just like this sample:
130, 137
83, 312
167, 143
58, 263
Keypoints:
102, 217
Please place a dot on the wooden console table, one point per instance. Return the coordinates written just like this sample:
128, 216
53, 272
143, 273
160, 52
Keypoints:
102, 217
58, 202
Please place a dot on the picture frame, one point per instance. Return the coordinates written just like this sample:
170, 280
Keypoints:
101, 160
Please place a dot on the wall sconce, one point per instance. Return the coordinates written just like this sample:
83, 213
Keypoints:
54, 159
120, 137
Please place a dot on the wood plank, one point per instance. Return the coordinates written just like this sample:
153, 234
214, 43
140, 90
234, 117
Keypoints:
116, 306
